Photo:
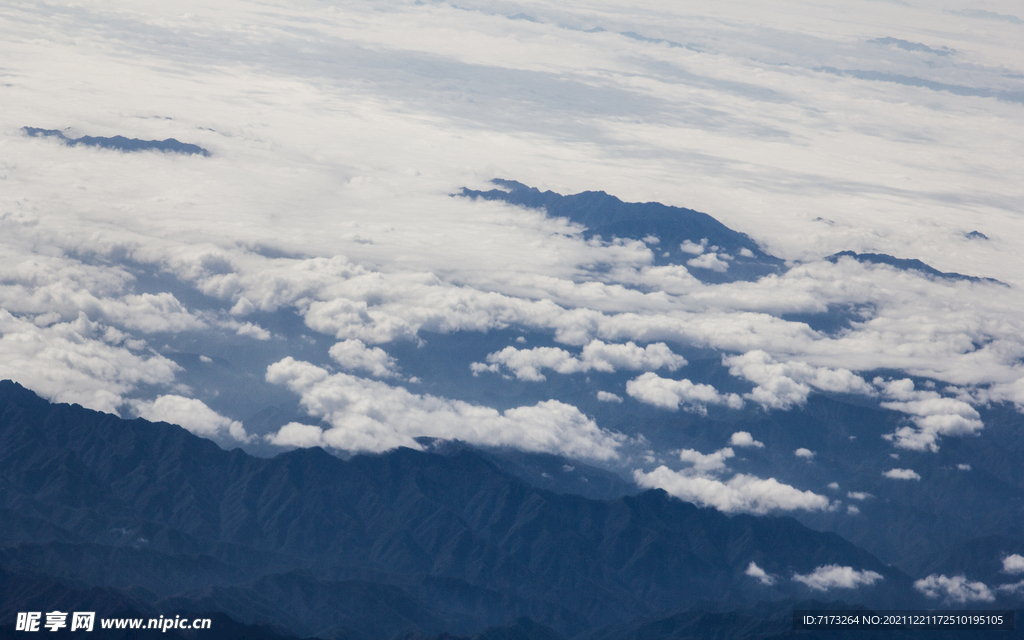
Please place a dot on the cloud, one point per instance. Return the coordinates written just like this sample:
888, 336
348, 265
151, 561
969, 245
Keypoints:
526, 364
782, 385
760, 574
1013, 563
402, 259
833, 576
744, 439
741, 493
706, 463
934, 416
80, 361
858, 495
191, 414
1012, 588
354, 355
370, 415
608, 396
713, 261
852, 510
956, 589
296, 434
652, 389
902, 474
693, 248
804, 453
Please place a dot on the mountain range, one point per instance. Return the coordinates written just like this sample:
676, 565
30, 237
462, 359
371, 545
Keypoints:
132, 514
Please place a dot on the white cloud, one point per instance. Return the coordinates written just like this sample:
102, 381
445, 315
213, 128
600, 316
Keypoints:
781, 385
1013, 563
1012, 588
296, 434
744, 439
902, 474
527, 364
833, 576
804, 453
608, 396
760, 574
191, 414
963, 467
354, 355
934, 416
956, 589
650, 388
370, 415
381, 253
706, 463
852, 510
251, 330
858, 495
692, 247
833, 486
80, 361
741, 493
713, 261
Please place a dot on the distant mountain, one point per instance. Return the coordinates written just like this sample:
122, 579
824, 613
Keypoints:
120, 143
726, 255
546, 470
429, 543
906, 264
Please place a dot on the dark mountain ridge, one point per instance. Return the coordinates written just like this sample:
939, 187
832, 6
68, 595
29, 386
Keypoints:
605, 215
119, 143
451, 541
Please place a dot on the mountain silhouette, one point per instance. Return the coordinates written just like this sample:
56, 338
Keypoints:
316, 545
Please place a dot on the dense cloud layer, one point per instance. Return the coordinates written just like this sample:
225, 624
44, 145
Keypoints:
337, 134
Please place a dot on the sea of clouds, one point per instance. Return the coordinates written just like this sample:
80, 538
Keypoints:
338, 133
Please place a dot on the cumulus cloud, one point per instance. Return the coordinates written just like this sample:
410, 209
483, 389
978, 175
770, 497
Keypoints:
760, 574
741, 493
650, 388
354, 355
526, 364
296, 434
858, 495
902, 474
833, 576
1013, 563
956, 589
370, 415
804, 453
934, 416
713, 261
781, 385
744, 439
608, 396
191, 414
705, 463
692, 247
81, 361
